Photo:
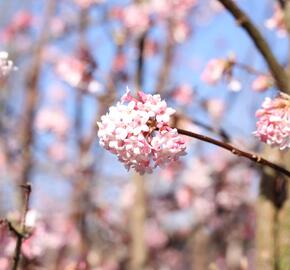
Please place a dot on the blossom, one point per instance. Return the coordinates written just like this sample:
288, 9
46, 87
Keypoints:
273, 126
262, 83
136, 18
6, 65
52, 119
214, 71
183, 94
137, 131
218, 69
277, 21
87, 3
19, 23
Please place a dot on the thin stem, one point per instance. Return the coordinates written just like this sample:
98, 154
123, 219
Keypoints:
236, 151
21, 234
245, 22
249, 69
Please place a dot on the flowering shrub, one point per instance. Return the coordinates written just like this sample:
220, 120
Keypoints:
273, 126
137, 131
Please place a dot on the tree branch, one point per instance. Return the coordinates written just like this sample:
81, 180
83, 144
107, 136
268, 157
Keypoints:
281, 3
245, 22
236, 151
20, 234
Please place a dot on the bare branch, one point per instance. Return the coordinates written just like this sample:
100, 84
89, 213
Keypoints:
20, 234
245, 22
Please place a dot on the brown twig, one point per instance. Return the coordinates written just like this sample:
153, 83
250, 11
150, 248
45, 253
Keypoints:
281, 3
21, 233
140, 64
234, 150
31, 84
245, 22
249, 69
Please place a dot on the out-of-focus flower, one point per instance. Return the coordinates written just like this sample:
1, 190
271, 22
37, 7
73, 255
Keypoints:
184, 197
77, 70
181, 31
273, 126
214, 71
262, 83
20, 22
52, 119
136, 18
137, 131
6, 65
218, 69
71, 70
88, 3
183, 94
277, 21
154, 236
215, 108
170, 172
58, 151
234, 85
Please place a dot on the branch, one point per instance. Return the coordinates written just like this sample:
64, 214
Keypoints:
236, 151
281, 3
249, 69
276, 69
140, 62
167, 61
20, 234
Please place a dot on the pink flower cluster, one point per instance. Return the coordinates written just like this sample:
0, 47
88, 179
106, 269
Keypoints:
273, 126
137, 131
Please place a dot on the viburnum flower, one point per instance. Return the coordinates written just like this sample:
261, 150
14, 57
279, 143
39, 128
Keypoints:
137, 131
273, 126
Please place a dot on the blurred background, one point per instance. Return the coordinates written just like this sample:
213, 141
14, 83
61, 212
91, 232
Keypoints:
75, 58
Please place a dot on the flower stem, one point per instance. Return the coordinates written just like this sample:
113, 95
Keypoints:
234, 150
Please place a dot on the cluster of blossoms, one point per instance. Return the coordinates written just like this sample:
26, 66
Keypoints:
273, 126
6, 65
137, 131
217, 69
